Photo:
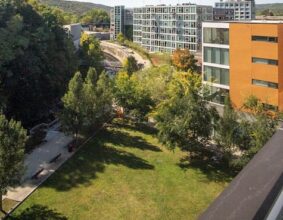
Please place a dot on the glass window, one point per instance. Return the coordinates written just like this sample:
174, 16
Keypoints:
216, 75
219, 94
265, 39
270, 107
216, 35
265, 84
265, 61
216, 55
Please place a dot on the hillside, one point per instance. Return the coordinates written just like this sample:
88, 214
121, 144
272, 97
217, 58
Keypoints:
275, 8
78, 8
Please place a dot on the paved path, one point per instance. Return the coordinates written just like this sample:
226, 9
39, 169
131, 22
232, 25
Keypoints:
121, 53
38, 159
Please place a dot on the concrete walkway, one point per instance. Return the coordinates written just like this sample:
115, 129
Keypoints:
40, 159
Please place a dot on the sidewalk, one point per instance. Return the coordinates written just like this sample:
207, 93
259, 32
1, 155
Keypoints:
39, 159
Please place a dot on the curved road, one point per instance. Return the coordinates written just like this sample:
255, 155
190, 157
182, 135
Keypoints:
121, 53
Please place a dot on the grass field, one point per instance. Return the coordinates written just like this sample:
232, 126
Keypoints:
8, 204
124, 173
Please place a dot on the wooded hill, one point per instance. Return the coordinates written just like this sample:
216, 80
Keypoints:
275, 8
77, 8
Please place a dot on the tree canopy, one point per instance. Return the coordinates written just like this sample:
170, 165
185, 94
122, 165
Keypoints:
183, 60
36, 60
95, 16
90, 53
12, 143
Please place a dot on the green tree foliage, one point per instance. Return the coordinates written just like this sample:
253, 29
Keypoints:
121, 38
32, 74
72, 116
244, 135
98, 97
227, 129
132, 96
88, 103
90, 53
184, 119
130, 65
78, 8
257, 131
156, 80
12, 143
104, 94
95, 16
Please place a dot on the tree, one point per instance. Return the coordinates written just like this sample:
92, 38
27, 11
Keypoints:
96, 16
120, 38
12, 143
132, 96
227, 128
131, 65
90, 98
255, 131
104, 94
183, 60
267, 12
90, 53
72, 116
97, 95
32, 75
184, 119
156, 81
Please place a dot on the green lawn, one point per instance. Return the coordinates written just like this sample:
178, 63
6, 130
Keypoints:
124, 173
8, 204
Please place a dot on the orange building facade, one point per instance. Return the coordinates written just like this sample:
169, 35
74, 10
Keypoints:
243, 59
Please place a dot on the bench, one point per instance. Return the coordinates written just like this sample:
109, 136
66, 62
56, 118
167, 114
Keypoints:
55, 158
35, 176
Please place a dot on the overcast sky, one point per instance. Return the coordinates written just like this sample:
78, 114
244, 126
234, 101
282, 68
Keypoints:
134, 3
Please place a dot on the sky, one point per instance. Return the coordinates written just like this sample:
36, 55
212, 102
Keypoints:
136, 3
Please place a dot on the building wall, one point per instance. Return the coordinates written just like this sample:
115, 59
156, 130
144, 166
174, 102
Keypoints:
164, 28
223, 14
280, 67
243, 9
243, 70
117, 21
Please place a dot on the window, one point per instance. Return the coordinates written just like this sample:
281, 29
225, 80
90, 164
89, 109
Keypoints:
216, 75
270, 107
265, 84
216, 55
265, 61
265, 39
216, 36
219, 94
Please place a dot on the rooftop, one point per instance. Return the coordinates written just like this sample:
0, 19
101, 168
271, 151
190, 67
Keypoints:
249, 22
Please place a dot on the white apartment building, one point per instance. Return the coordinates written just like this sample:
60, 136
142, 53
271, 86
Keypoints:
164, 28
243, 9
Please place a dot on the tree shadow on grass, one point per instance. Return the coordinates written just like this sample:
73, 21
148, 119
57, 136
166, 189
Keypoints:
123, 139
141, 127
38, 212
92, 159
215, 172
